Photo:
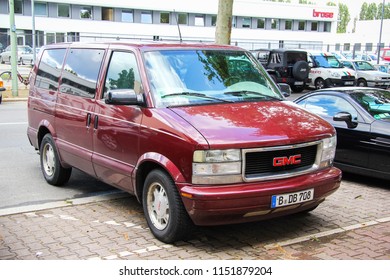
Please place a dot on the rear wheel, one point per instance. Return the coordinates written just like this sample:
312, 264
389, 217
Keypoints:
297, 88
164, 210
53, 171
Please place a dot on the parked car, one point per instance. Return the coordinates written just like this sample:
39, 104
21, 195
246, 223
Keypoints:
367, 74
25, 55
198, 133
385, 54
327, 71
361, 117
372, 58
2, 88
286, 66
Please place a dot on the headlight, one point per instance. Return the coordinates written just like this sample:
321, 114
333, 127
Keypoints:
216, 166
335, 74
328, 151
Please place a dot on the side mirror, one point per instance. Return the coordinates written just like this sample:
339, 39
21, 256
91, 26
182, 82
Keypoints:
311, 65
124, 97
345, 117
285, 89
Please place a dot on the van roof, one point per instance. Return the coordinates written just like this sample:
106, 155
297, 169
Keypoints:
145, 45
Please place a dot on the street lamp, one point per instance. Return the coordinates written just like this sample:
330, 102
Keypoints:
380, 33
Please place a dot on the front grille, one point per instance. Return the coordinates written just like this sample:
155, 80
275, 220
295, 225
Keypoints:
260, 163
347, 78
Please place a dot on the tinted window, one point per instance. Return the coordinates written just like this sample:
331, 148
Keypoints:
122, 73
81, 72
328, 106
49, 69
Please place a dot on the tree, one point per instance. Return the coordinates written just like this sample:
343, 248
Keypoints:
224, 22
363, 11
372, 12
343, 19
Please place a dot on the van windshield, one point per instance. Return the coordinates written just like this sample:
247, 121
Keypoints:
328, 61
193, 77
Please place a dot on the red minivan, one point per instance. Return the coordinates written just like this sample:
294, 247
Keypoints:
199, 133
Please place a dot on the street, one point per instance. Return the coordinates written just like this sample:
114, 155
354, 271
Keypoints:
39, 221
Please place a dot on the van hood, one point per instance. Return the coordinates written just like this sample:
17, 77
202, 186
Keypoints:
247, 125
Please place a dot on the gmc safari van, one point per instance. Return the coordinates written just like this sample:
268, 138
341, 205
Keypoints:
199, 133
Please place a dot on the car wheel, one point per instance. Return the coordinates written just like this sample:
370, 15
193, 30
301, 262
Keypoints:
361, 83
164, 210
54, 173
297, 89
1, 98
21, 61
1, 60
319, 83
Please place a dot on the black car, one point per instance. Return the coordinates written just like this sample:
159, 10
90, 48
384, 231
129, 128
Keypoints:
361, 117
286, 66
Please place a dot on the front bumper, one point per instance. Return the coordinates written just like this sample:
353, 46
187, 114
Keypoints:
246, 202
340, 82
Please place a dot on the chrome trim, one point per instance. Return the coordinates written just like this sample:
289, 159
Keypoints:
285, 174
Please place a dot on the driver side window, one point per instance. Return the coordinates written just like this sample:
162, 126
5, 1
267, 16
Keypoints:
122, 73
329, 106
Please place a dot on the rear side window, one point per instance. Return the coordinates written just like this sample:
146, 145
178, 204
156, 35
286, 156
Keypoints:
81, 72
49, 69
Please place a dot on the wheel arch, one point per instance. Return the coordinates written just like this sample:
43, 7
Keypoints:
149, 162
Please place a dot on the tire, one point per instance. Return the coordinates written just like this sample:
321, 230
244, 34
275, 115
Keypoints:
1, 60
361, 83
54, 173
298, 89
319, 83
1, 98
163, 208
301, 70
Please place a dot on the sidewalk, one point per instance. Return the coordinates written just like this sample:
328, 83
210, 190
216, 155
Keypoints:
115, 229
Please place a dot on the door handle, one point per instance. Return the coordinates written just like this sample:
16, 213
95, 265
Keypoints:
89, 117
95, 124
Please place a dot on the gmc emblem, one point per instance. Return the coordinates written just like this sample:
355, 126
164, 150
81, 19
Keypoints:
283, 161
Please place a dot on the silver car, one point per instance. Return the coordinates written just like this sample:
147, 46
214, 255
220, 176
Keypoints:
25, 55
367, 74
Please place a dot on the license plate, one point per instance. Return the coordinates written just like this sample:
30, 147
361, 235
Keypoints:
298, 83
348, 83
291, 198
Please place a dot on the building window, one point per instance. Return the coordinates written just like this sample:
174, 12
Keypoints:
86, 12
234, 21
60, 37
107, 14
274, 23
246, 22
314, 26
63, 10
301, 25
213, 20
146, 17
288, 25
127, 16
327, 26
40, 9
164, 17
18, 7
50, 38
260, 23
199, 20
183, 19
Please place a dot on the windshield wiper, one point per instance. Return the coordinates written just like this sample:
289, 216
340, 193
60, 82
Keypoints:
196, 94
249, 93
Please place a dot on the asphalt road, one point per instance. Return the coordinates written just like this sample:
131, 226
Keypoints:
21, 182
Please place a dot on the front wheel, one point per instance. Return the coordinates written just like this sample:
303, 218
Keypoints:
164, 210
54, 173
361, 83
319, 83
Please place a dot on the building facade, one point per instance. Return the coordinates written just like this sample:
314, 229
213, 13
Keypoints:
255, 23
